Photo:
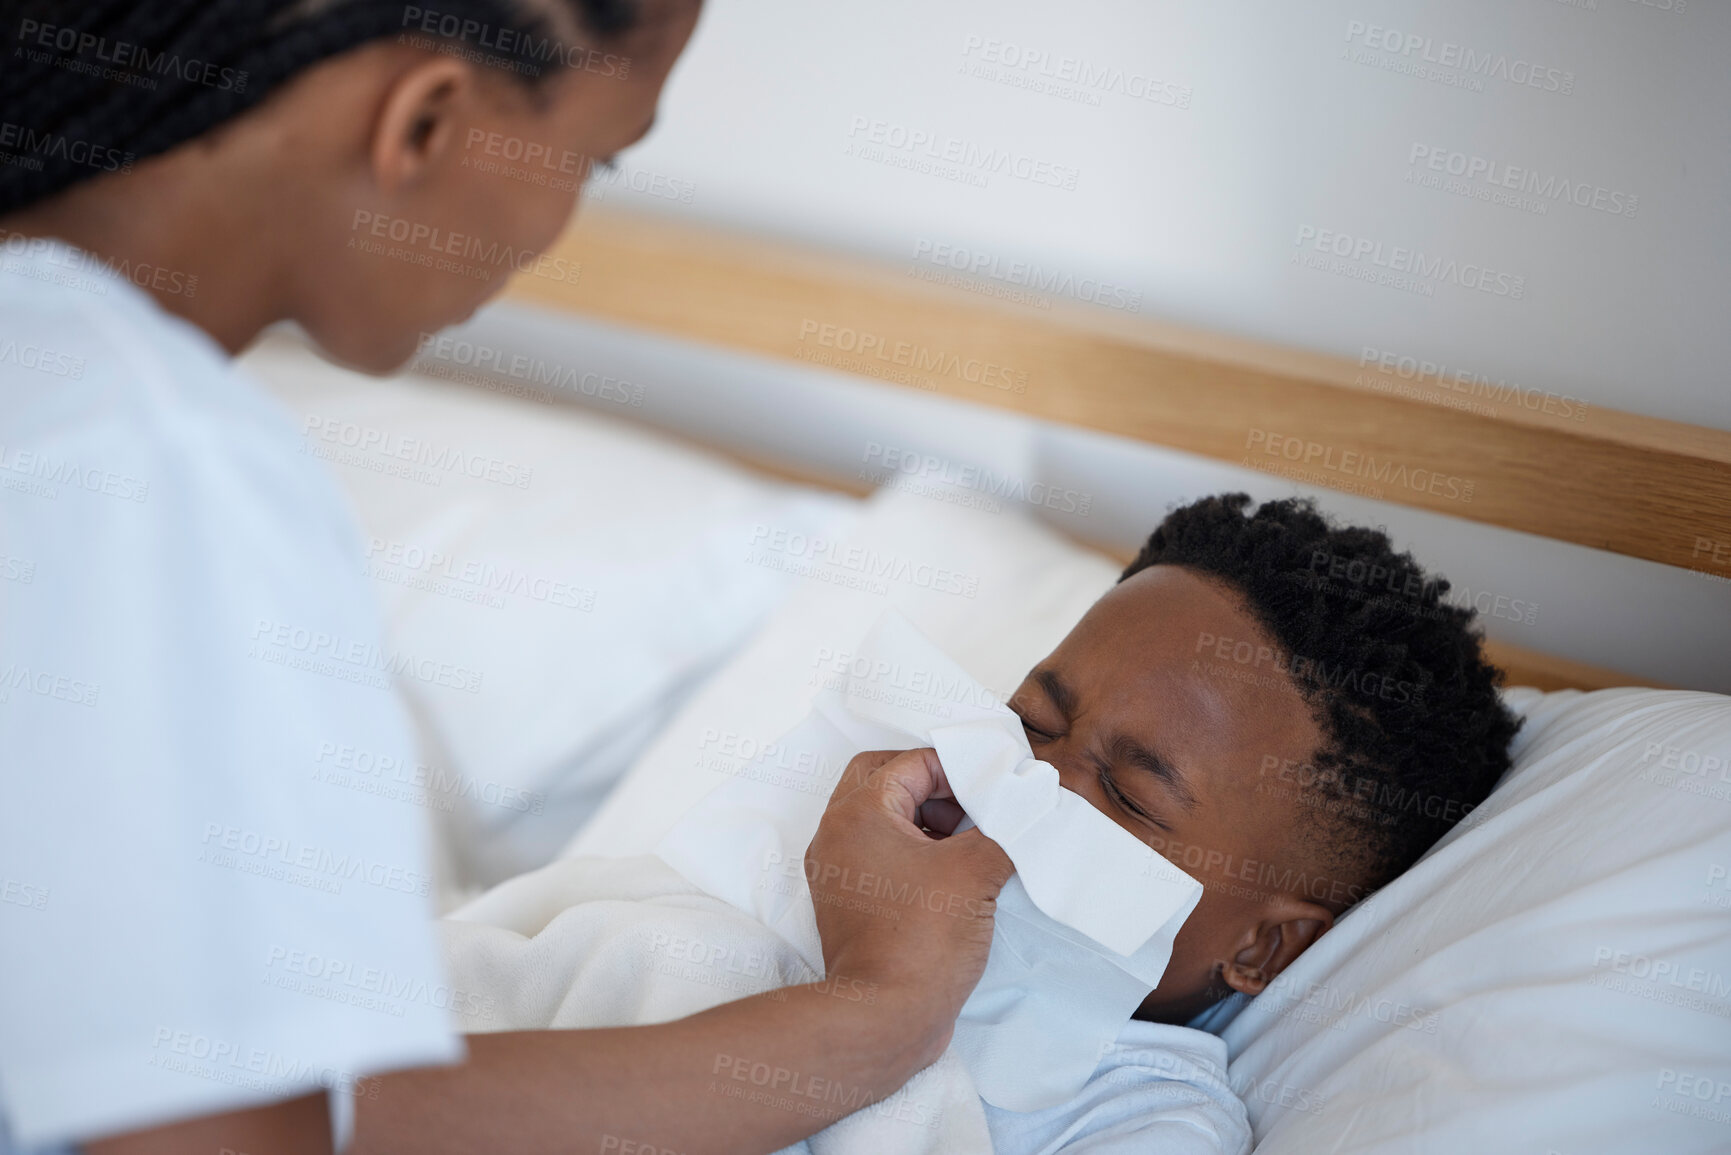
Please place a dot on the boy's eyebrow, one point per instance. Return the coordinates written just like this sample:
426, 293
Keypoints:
1126, 749
1058, 690
1122, 748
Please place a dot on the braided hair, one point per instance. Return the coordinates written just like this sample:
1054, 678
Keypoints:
1414, 733
93, 87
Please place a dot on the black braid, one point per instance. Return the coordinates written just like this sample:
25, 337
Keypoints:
69, 115
1414, 734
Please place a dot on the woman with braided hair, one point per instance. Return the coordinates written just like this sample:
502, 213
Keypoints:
194, 940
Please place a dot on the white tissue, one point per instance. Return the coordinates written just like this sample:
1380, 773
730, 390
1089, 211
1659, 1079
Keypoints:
1083, 930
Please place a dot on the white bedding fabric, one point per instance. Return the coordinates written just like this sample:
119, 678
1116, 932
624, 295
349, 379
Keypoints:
1024, 584
593, 942
1554, 976
563, 578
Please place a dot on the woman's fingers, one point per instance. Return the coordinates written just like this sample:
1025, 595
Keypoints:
904, 780
941, 815
859, 771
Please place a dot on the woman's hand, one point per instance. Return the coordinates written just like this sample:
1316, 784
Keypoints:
904, 906
903, 902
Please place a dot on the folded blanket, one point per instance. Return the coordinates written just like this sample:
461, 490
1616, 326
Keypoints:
595, 942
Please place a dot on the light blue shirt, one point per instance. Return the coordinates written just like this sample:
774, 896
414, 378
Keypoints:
1159, 1089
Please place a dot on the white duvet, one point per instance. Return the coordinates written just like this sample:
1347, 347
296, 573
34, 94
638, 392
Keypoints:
594, 942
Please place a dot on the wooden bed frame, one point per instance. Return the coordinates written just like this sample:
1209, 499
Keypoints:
1540, 463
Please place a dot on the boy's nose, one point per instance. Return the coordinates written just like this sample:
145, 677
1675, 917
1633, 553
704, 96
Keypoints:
1074, 774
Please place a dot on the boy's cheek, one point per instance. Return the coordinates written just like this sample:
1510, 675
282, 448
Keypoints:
1190, 973
1194, 954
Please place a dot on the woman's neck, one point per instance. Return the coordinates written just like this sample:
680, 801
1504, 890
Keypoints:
176, 230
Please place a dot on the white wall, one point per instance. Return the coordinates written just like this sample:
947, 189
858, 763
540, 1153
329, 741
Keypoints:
1289, 122
1260, 123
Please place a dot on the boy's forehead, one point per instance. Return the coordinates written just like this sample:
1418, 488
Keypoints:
1145, 658
1165, 613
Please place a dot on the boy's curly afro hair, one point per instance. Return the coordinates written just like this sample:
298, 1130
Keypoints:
1414, 733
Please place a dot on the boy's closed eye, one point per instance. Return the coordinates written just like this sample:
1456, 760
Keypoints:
1046, 705
1102, 771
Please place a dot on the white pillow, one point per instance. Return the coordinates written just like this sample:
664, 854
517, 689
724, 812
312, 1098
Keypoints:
1553, 976
555, 583
996, 591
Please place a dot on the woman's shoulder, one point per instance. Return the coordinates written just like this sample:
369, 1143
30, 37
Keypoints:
108, 397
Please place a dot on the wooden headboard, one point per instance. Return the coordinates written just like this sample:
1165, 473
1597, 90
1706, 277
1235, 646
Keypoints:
1543, 463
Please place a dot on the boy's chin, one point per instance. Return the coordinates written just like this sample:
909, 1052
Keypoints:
376, 354
1177, 1007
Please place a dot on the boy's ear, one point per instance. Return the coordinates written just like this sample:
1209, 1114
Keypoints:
1286, 929
417, 123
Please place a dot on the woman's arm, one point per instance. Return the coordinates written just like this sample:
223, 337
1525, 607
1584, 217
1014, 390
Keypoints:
752, 1075
759, 1073
294, 1127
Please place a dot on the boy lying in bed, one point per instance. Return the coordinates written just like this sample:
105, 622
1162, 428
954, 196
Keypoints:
1289, 712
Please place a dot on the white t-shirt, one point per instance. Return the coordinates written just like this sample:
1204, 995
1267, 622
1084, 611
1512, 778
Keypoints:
198, 911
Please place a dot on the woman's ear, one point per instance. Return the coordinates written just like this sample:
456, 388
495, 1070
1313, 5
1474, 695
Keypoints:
1286, 930
418, 122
